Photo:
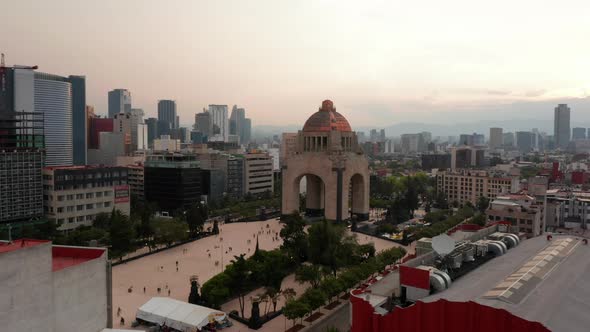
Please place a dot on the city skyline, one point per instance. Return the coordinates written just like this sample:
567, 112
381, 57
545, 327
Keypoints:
451, 66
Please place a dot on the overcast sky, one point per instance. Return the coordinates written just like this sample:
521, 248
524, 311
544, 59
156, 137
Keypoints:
381, 62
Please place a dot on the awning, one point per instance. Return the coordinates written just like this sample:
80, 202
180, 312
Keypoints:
178, 315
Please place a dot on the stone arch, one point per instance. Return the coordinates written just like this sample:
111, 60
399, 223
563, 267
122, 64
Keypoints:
315, 194
359, 196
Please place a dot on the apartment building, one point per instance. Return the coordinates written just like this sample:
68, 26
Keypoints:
523, 212
74, 195
258, 173
465, 185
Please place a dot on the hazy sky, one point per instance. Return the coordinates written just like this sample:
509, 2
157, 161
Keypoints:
381, 62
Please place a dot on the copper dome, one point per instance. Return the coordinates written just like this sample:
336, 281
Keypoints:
327, 119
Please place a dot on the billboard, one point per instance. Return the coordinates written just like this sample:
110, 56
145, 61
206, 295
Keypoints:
121, 194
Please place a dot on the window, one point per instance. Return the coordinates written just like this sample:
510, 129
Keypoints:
89, 217
60, 198
70, 197
80, 207
80, 218
89, 206
60, 210
70, 208
71, 220
79, 196
99, 205
107, 204
107, 193
99, 194
89, 195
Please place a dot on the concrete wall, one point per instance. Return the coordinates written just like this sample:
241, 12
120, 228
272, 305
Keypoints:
34, 298
80, 297
26, 290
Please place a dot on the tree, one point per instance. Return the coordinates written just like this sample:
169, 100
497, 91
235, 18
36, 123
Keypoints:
239, 275
294, 238
102, 221
215, 229
479, 219
309, 273
315, 298
122, 234
295, 309
329, 246
483, 203
169, 231
196, 216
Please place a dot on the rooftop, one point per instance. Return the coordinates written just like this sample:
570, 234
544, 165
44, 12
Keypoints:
540, 280
327, 119
62, 256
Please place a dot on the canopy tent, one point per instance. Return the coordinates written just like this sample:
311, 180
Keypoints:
178, 315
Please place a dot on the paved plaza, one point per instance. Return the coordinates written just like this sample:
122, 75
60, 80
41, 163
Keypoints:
204, 258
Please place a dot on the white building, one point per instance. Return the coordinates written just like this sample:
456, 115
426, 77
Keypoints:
258, 170
165, 143
53, 288
220, 123
141, 142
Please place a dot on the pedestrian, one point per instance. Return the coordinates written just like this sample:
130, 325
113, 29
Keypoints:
177, 269
122, 321
176, 263
168, 292
144, 289
118, 311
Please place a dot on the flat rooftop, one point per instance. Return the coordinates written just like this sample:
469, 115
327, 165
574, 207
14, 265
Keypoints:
62, 256
539, 280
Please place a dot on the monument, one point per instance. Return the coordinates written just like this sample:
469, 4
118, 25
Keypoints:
326, 152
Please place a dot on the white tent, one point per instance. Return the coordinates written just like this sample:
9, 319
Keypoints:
178, 315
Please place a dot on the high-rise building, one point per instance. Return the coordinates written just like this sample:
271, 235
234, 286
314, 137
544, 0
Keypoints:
174, 181
382, 135
136, 116
578, 133
247, 131
508, 140
561, 126
220, 123
524, 141
96, 126
412, 143
141, 142
123, 124
53, 98
203, 124
258, 170
237, 122
496, 138
119, 102
79, 129
21, 148
167, 113
152, 128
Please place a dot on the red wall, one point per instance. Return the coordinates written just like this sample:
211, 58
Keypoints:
98, 125
441, 315
413, 277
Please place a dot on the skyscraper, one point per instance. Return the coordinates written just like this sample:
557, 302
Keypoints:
21, 147
152, 130
237, 122
136, 121
220, 123
578, 133
79, 129
496, 135
524, 141
203, 124
119, 102
561, 126
53, 98
247, 130
167, 113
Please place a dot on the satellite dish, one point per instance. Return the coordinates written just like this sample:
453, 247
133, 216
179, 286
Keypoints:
443, 244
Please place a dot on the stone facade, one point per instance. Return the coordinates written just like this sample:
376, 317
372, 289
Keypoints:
327, 153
